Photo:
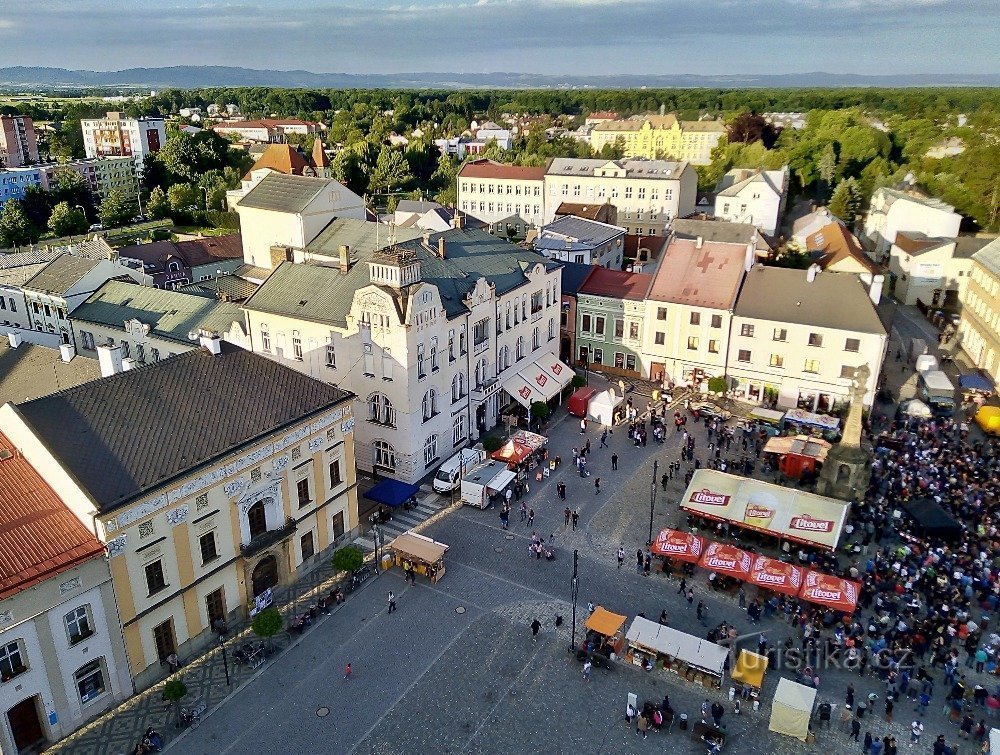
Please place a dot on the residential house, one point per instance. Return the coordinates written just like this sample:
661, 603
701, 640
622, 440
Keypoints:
435, 335
62, 657
101, 175
797, 337
894, 210
230, 287
15, 181
660, 137
810, 222
835, 249
29, 371
689, 307
600, 116
710, 229
756, 197
289, 212
496, 192
118, 135
54, 292
642, 251
646, 193
211, 478
284, 159
18, 144
610, 310
572, 239
979, 327
602, 213
440, 219
149, 324
172, 264
573, 276
273, 130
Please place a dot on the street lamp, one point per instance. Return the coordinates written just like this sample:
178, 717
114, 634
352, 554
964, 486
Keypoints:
82, 209
652, 499
575, 590
221, 628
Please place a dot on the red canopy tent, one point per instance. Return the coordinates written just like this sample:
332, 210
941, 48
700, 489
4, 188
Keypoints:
772, 574
832, 592
682, 546
727, 559
512, 452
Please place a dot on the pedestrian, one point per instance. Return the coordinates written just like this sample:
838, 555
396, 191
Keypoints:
888, 710
597, 486
664, 478
646, 563
916, 731
587, 668
583, 426
867, 745
566, 511
690, 597
717, 711
641, 724
604, 438
683, 588
630, 713
347, 672
392, 602
701, 613
638, 562
742, 598
535, 626
614, 461
855, 729
531, 517
576, 517
524, 510
621, 556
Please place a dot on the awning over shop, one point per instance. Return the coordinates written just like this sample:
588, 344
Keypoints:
682, 546
419, 547
392, 492
783, 512
534, 441
512, 452
501, 481
822, 421
832, 592
814, 448
792, 709
687, 648
973, 381
726, 559
540, 380
779, 576
750, 668
604, 622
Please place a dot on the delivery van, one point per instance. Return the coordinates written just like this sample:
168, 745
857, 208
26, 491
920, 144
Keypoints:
484, 483
449, 474
937, 391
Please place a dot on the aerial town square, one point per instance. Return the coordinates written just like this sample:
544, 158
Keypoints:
500, 377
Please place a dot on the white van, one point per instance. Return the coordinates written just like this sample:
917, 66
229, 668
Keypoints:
449, 475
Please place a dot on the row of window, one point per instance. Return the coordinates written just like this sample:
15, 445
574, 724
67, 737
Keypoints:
384, 454
622, 361
512, 209
509, 189
38, 308
330, 353
4, 304
89, 342
777, 361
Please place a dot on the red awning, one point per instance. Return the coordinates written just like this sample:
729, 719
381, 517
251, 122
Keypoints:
832, 592
727, 559
512, 452
772, 574
680, 545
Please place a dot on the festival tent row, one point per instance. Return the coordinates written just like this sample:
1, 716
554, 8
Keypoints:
768, 573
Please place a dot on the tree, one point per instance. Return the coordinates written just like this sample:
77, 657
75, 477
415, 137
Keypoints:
267, 624
540, 411
493, 151
348, 559
350, 171
846, 201
391, 170
827, 166
183, 198
15, 228
116, 209
717, 385
67, 221
158, 206
173, 692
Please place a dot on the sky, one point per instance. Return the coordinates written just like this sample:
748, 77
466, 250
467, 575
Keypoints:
579, 37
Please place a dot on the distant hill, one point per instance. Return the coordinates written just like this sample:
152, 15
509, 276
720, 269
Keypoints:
188, 77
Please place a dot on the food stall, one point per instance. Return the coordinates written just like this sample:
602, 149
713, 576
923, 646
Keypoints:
798, 421
675, 545
604, 631
577, 404
830, 592
423, 555
730, 564
768, 420
776, 576
512, 453
749, 674
605, 408
482, 484
694, 659
798, 455
792, 709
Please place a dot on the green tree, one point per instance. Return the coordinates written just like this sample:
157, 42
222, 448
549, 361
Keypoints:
493, 151
846, 201
158, 205
173, 692
348, 559
183, 198
391, 170
67, 221
116, 209
267, 624
827, 167
15, 228
350, 171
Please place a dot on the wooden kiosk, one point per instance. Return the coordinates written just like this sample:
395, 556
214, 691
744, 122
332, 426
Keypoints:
423, 555
604, 629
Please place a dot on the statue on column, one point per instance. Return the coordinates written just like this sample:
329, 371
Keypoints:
844, 473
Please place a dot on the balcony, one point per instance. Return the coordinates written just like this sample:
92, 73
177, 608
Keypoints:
267, 539
478, 347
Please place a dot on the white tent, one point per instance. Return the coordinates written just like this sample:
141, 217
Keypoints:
994, 741
792, 708
694, 651
602, 406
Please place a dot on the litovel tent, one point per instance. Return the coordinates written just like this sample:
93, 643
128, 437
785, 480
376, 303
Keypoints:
792, 709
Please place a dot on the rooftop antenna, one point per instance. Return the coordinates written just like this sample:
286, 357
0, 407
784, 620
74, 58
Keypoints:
391, 241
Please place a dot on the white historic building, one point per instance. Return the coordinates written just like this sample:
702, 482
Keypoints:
892, 211
756, 197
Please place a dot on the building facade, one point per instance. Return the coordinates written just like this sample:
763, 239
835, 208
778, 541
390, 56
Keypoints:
15, 181
117, 135
610, 312
893, 210
660, 137
18, 145
493, 192
213, 515
572, 239
979, 327
756, 197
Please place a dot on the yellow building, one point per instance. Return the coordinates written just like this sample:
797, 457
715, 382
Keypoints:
979, 328
661, 137
212, 477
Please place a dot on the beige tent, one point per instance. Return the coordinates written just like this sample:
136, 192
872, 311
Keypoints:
792, 708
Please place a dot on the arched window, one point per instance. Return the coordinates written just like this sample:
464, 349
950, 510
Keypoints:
519, 349
430, 450
383, 455
381, 410
429, 404
481, 373
503, 361
457, 386
535, 339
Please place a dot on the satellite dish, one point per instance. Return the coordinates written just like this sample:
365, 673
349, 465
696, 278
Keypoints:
192, 335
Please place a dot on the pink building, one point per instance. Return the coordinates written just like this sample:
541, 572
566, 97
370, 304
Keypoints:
18, 146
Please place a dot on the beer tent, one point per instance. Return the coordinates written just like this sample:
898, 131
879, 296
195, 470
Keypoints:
771, 574
726, 559
830, 592
750, 668
682, 546
792, 708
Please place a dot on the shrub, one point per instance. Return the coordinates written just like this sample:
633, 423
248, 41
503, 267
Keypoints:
717, 385
492, 443
348, 558
578, 381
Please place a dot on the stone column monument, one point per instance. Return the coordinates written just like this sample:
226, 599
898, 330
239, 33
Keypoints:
845, 471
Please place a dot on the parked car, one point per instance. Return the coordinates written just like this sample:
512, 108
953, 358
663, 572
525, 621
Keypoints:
702, 409
96, 227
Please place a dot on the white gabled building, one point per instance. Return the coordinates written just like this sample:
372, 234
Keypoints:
752, 196
892, 211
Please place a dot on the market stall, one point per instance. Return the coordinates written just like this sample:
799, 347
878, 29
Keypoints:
777, 576
786, 513
605, 407
695, 659
730, 565
800, 421
675, 545
749, 674
791, 709
604, 631
513, 452
389, 494
415, 551
798, 456
830, 592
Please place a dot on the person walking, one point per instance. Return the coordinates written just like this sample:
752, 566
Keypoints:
916, 731
347, 672
621, 556
531, 517
690, 597
587, 668
638, 561
597, 486
604, 438
566, 511
701, 613
614, 461
583, 426
855, 729
682, 590
641, 725
524, 510
535, 626
392, 602
576, 517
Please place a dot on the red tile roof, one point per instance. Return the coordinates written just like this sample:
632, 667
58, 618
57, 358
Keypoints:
707, 277
283, 158
835, 243
490, 169
616, 284
39, 536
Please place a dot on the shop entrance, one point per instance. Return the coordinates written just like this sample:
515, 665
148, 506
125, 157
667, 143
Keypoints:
265, 575
25, 725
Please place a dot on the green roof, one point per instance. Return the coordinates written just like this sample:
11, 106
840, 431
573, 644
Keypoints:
169, 314
281, 193
61, 274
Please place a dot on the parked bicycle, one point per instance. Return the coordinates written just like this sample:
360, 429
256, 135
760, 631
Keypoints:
192, 716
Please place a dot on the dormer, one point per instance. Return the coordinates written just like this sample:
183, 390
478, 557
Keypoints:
394, 267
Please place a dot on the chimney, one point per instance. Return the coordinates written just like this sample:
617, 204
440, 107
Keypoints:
67, 352
279, 254
458, 221
427, 238
345, 258
110, 359
441, 247
211, 342
875, 290
15, 339
699, 242
128, 364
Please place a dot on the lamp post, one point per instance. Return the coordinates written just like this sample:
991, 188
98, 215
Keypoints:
575, 590
222, 630
652, 500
